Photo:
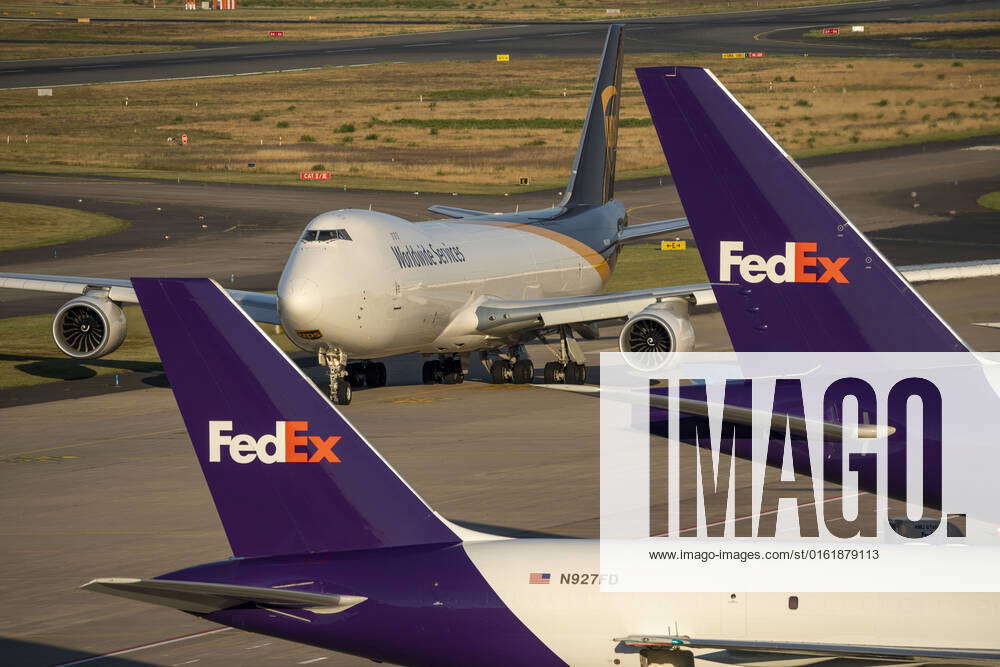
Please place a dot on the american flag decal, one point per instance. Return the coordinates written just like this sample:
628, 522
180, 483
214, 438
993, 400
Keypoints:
539, 578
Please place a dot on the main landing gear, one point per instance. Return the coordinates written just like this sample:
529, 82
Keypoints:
344, 376
511, 366
370, 373
514, 365
571, 367
447, 369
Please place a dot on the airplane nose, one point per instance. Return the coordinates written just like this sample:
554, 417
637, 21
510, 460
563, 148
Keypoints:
300, 302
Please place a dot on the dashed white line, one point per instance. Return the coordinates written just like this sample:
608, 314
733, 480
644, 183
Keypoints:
306, 662
250, 648
413, 46
498, 39
567, 34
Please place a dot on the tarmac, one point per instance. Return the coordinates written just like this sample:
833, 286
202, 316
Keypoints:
107, 485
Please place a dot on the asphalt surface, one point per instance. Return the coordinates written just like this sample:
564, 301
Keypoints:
701, 33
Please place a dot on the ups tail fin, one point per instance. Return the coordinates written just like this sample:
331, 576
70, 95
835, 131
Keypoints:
288, 473
592, 181
790, 271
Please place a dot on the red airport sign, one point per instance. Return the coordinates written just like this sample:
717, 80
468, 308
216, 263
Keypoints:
755, 54
276, 33
831, 31
314, 175
184, 140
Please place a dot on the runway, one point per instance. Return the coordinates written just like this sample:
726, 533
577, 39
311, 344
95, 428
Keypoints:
700, 33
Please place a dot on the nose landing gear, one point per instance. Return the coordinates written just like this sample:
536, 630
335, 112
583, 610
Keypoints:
336, 364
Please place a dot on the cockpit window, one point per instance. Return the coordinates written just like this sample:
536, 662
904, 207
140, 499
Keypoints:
326, 235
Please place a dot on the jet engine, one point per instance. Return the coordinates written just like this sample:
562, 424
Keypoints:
89, 326
660, 330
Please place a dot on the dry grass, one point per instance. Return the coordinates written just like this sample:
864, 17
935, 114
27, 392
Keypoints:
944, 35
31, 226
489, 124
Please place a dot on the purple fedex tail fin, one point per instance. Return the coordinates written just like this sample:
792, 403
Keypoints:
790, 271
288, 473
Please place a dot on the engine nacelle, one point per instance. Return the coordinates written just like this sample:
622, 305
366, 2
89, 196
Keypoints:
660, 330
89, 326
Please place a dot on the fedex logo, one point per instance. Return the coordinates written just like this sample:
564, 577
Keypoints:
284, 446
799, 264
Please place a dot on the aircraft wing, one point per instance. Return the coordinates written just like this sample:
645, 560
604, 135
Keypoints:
852, 651
261, 307
499, 316
455, 212
647, 229
203, 598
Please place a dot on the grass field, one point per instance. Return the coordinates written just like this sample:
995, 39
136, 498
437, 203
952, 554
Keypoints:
468, 126
28, 356
31, 226
944, 35
645, 265
990, 200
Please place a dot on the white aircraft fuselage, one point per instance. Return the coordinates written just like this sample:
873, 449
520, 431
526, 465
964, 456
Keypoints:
374, 285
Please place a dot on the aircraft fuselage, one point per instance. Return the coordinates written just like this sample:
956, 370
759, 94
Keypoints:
375, 285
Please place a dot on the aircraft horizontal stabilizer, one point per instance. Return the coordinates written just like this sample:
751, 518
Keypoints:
455, 212
853, 651
647, 229
203, 598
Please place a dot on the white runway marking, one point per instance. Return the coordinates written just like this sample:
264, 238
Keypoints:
567, 34
498, 39
413, 46
142, 647
306, 662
